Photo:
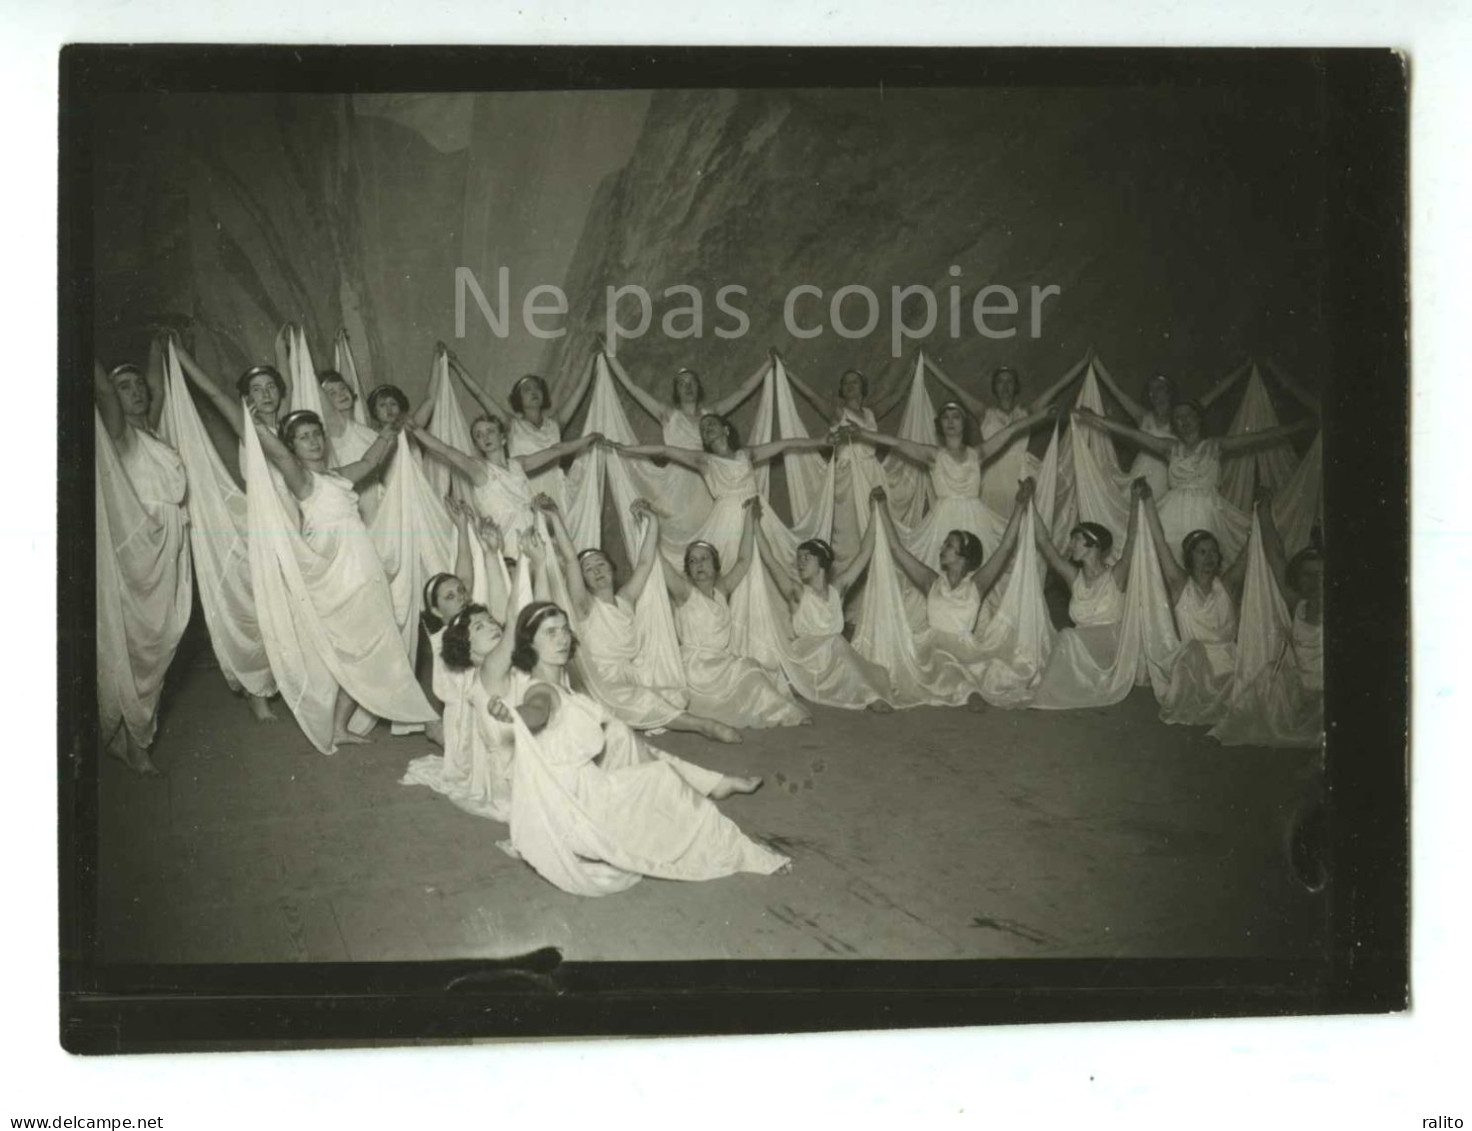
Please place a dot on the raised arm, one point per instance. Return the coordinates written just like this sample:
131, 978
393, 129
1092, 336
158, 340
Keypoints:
761, 453
685, 457
998, 441
987, 575
1216, 392
974, 405
226, 405
1128, 403
499, 598
786, 584
298, 478
108, 405
466, 464
1050, 394
923, 454
1247, 441
373, 458
877, 501
1126, 555
425, 412
912, 567
742, 391
1297, 391
488, 403
577, 589
153, 374
823, 406
648, 551
533, 462
282, 350
1175, 576
1160, 445
675, 581
646, 400
1044, 537
464, 563
579, 391
732, 577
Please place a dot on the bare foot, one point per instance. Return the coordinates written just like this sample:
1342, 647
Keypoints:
260, 708
721, 732
729, 785
348, 738
807, 721
976, 704
880, 707
139, 761
435, 732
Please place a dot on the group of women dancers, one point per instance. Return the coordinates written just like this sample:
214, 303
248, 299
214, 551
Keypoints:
387, 562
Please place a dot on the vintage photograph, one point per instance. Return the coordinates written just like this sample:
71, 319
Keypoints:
773, 514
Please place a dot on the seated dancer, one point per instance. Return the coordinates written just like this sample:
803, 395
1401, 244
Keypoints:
349, 439
955, 474
145, 585
1194, 501
954, 597
1155, 417
1010, 465
819, 663
1204, 599
1277, 696
723, 686
502, 488
359, 643
534, 428
1083, 655
592, 807
610, 641
856, 468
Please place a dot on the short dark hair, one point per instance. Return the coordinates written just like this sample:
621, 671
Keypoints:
733, 438
326, 375
294, 422
1194, 539
515, 397
1304, 557
971, 552
242, 386
715, 555
997, 372
431, 593
694, 376
393, 393
523, 654
968, 432
455, 644
819, 549
859, 373
1096, 535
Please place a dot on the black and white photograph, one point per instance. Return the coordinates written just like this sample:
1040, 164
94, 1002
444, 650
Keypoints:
594, 541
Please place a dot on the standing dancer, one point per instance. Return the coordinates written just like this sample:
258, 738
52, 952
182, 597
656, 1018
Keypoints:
1010, 465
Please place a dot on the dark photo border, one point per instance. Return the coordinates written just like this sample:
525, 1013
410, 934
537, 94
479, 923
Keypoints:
112, 1008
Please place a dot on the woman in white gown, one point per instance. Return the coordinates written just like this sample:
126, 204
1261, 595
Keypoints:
732, 689
954, 665
501, 481
348, 590
1012, 464
610, 641
1084, 654
1204, 599
593, 808
349, 438
818, 662
145, 586
1283, 704
533, 427
955, 475
856, 466
1155, 417
1194, 501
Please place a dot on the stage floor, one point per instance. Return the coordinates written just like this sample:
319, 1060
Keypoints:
927, 834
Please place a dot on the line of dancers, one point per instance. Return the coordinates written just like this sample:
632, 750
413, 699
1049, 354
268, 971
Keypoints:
385, 562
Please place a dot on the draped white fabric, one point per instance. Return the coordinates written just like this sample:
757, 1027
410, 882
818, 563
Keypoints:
306, 394
909, 487
1276, 697
821, 665
1095, 665
474, 772
1002, 473
1201, 672
143, 579
810, 483
594, 828
1015, 643
955, 481
218, 523
325, 612
343, 362
1195, 502
723, 686
856, 472
919, 672
1271, 467
1101, 489
447, 424
1297, 505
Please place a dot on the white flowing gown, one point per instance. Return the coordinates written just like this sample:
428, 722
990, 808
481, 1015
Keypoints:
610, 653
999, 478
821, 665
1195, 503
1149, 466
145, 586
525, 439
856, 472
1201, 673
723, 686
593, 809
956, 483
